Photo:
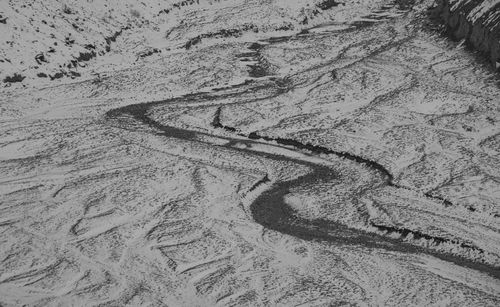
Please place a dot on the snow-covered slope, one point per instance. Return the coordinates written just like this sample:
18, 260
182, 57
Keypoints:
476, 21
52, 39
263, 160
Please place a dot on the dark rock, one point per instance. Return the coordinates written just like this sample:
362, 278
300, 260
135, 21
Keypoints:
327, 4
39, 58
148, 53
74, 74
192, 42
405, 4
69, 41
14, 78
255, 46
57, 75
113, 37
67, 10
86, 56
285, 27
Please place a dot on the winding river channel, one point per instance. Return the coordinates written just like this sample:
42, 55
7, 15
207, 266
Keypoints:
269, 207
322, 155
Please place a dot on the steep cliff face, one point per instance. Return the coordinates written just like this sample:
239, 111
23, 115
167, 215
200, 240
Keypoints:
476, 21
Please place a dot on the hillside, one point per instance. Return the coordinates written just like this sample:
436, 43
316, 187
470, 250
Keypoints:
475, 21
53, 39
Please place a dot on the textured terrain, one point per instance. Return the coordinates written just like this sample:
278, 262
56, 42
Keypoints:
475, 21
350, 158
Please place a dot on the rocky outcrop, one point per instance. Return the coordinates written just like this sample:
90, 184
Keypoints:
476, 21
